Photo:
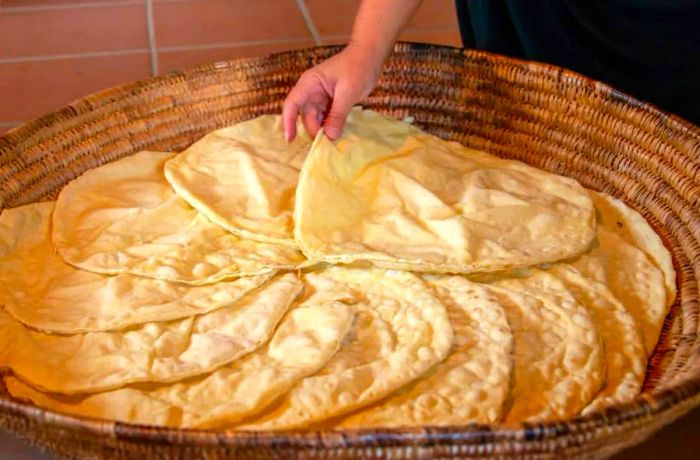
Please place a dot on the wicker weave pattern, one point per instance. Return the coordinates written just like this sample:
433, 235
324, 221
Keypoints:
539, 114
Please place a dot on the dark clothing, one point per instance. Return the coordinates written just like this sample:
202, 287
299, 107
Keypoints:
647, 48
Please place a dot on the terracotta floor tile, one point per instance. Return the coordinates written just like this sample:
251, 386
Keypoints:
335, 17
227, 21
435, 13
56, 3
335, 39
449, 37
440, 36
75, 30
31, 89
183, 59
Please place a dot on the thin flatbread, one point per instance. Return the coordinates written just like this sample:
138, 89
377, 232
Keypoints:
627, 223
559, 361
244, 178
124, 217
625, 355
471, 385
401, 330
153, 352
306, 339
416, 202
630, 273
49, 295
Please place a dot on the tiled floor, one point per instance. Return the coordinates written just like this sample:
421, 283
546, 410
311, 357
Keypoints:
54, 51
435, 21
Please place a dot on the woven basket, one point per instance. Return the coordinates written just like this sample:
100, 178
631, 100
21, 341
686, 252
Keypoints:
542, 115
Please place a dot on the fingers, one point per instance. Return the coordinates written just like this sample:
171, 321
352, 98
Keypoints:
306, 98
340, 108
290, 111
312, 118
294, 104
310, 97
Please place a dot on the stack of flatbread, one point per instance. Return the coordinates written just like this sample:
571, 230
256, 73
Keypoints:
389, 278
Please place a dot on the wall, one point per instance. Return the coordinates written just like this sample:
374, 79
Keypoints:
54, 51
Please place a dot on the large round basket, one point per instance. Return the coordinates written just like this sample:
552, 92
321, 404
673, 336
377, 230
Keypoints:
539, 114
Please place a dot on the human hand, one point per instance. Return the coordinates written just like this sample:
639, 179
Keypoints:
325, 94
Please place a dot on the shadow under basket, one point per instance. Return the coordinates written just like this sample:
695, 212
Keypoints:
542, 115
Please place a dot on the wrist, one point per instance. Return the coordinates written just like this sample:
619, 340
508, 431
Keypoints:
368, 50
367, 56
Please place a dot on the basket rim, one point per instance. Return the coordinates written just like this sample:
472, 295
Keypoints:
685, 393
67, 111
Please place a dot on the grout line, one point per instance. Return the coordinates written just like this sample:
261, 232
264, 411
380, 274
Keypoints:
170, 49
68, 6
150, 24
308, 20
336, 37
166, 49
57, 57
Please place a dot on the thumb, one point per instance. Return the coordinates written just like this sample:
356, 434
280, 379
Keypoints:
335, 120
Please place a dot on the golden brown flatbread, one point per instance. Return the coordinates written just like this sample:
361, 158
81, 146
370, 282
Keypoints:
644, 288
559, 356
305, 340
244, 178
46, 293
124, 217
152, 352
627, 223
623, 344
400, 331
388, 193
473, 382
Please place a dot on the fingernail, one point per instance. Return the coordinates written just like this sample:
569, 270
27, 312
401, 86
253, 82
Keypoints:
332, 132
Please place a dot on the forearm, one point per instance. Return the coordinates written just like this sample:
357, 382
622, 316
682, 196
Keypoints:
378, 24
325, 94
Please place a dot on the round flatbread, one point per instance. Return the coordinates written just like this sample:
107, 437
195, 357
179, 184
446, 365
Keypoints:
152, 352
627, 223
244, 178
400, 331
402, 198
305, 340
630, 274
559, 361
124, 217
471, 384
623, 345
48, 294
